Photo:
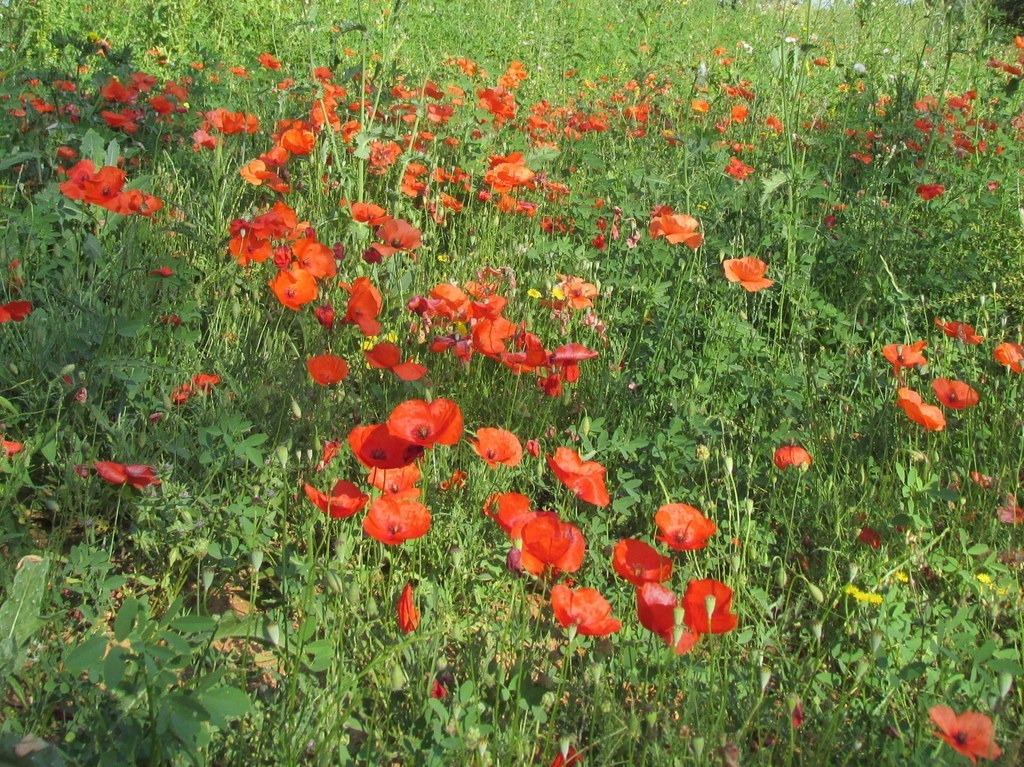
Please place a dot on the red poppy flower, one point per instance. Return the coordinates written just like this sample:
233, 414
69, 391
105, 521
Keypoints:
930, 191
294, 287
378, 448
345, 499
367, 213
136, 475
954, 394
315, 257
490, 334
676, 228
408, 615
396, 235
395, 480
960, 330
205, 382
639, 563
902, 356
327, 369
386, 356
570, 758
660, 612
513, 511
585, 609
869, 536
383, 355
364, 305
1010, 355
928, 416
706, 604
426, 423
10, 448
569, 357
551, 545
498, 446
396, 518
748, 272
737, 169
788, 456
683, 527
15, 311
970, 733
584, 478
1010, 513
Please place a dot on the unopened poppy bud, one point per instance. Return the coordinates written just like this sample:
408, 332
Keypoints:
325, 316
282, 256
876, 641
728, 465
571, 633
339, 251
207, 578
1005, 683
256, 559
354, 593
273, 633
533, 447
67, 370
563, 747
296, 410
513, 561
585, 426
764, 676
781, 577
816, 630
282, 456
816, 593
398, 678
677, 615
709, 605
862, 669
334, 582
697, 745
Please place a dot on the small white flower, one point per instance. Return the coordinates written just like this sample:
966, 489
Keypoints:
859, 68
791, 39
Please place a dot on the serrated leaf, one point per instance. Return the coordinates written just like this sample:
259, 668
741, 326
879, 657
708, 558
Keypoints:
772, 184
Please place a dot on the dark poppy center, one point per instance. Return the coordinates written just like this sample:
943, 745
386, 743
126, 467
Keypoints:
960, 738
423, 432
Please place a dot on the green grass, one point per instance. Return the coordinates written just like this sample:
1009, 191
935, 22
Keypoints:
220, 618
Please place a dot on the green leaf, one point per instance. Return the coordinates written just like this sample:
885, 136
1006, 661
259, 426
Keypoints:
772, 183
19, 614
225, 703
86, 656
193, 624
11, 160
124, 623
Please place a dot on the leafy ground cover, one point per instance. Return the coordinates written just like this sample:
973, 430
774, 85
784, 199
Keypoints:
567, 383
